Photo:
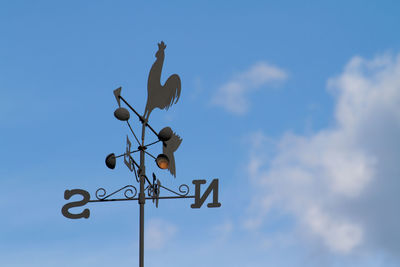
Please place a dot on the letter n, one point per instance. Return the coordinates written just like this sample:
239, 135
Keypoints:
199, 200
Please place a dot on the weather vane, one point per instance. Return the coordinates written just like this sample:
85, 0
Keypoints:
162, 97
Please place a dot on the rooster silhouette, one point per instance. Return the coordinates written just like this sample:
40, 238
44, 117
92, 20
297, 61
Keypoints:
161, 96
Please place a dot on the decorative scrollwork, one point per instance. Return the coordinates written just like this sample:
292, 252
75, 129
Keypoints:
130, 192
184, 189
153, 189
100, 196
150, 190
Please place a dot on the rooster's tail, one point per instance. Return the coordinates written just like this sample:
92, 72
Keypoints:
173, 89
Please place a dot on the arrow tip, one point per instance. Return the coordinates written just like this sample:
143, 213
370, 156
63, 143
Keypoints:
117, 93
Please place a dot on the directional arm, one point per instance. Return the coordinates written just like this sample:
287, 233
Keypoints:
140, 117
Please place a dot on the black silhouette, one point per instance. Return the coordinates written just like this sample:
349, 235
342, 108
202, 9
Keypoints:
169, 147
161, 96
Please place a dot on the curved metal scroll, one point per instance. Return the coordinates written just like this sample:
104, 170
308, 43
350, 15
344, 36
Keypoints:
129, 192
183, 189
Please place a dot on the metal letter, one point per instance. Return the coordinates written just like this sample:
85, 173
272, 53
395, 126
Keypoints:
127, 157
199, 200
65, 209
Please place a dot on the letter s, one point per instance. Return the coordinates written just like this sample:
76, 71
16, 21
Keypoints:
65, 209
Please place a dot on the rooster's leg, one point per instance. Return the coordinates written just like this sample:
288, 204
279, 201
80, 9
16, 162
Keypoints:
146, 116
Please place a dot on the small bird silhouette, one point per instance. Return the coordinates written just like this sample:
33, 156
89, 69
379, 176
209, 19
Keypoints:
169, 147
161, 96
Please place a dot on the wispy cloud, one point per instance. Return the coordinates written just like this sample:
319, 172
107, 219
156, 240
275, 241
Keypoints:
224, 230
339, 183
158, 233
233, 95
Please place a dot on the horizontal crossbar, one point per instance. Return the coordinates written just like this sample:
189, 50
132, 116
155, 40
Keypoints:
125, 199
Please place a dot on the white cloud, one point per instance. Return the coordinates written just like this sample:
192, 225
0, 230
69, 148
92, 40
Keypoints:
339, 236
341, 183
224, 229
233, 95
158, 233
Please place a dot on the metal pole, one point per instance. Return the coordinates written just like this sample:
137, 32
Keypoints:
142, 199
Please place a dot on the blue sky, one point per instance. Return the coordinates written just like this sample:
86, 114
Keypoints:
294, 106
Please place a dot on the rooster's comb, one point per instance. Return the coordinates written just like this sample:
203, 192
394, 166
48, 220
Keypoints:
161, 45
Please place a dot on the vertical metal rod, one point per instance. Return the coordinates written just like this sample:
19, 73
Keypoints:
141, 249
142, 199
